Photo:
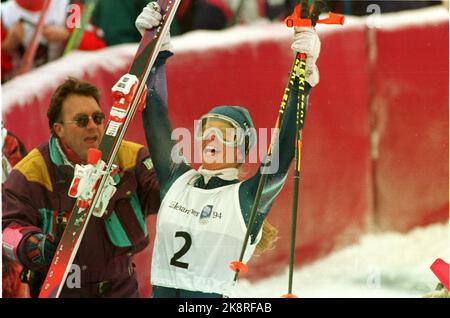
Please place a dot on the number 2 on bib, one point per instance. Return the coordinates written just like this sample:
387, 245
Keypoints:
187, 245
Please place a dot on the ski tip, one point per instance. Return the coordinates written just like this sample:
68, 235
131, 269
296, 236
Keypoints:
289, 296
441, 269
237, 266
93, 156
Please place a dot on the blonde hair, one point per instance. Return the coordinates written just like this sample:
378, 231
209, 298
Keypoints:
268, 238
269, 232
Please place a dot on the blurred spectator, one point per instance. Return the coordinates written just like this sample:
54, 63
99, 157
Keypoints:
116, 19
184, 18
218, 14
359, 7
19, 19
92, 38
215, 14
393, 6
279, 9
12, 152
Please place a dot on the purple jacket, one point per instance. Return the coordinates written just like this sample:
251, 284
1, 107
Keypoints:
35, 197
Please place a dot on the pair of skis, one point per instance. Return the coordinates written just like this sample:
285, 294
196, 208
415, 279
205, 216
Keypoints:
128, 94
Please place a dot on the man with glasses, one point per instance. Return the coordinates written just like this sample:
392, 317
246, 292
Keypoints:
36, 205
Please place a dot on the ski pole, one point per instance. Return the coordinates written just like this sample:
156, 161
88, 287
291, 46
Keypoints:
27, 60
306, 18
239, 266
300, 120
77, 34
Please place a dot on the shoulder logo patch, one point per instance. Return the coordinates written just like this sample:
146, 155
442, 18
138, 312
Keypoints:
148, 163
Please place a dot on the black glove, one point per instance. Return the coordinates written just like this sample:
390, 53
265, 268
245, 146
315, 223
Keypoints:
37, 251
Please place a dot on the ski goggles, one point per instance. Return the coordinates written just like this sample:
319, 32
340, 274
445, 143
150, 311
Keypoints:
225, 129
82, 120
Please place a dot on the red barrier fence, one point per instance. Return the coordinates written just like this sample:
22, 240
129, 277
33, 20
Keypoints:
376, 138
411, 104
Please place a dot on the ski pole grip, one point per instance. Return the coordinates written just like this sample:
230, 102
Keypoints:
332, 18
296, 20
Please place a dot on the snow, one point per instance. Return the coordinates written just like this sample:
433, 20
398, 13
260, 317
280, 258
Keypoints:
388, 265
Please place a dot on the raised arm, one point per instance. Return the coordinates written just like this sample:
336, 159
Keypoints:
158, 132
157, 127
305, 41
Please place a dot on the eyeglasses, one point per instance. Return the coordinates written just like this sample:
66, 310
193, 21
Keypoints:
226, 130
82, 120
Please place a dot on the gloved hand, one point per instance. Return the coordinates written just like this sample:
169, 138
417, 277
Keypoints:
307, 41
150, 18
37, 251
440, 292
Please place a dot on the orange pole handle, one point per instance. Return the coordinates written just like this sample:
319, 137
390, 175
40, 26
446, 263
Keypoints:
332, 18
239, 266
295, 18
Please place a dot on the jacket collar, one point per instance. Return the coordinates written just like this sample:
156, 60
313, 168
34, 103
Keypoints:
57, 155
227, 174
